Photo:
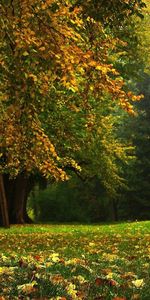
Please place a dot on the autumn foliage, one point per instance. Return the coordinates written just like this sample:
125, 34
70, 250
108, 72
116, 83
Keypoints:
49, 49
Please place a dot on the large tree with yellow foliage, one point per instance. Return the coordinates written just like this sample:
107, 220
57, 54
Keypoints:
53, 54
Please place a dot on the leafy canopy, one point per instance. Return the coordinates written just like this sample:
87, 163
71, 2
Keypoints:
51, 55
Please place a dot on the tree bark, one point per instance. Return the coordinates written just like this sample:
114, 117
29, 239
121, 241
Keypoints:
20, 193
17, 191
3, 204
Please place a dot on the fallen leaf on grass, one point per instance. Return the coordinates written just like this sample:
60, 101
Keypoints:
41, 298
135, 297
27, 288
37, 257
56, 279
56, 298
74, 261
106, 271
110, 275
71, 290
91, 244
109, 256
103, 281
132, 257
80, 279
128, 275
61, 261
138, 283
100, 281
119, 298
113, 283
80, 295
7, 270
54, 257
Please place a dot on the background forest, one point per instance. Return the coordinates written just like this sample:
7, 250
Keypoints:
74, 111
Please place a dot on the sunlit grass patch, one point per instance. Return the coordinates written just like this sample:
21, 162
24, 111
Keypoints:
75, 262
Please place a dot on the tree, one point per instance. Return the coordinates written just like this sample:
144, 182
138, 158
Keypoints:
47, 61
134, 201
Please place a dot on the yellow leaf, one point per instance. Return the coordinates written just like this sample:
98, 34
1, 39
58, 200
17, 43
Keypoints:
25, 53
138, 283
80, 279
109, 256
91, 244
109, 275
55, 257
71, 290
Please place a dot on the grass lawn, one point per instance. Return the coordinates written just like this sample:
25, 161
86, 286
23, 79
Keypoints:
92, 262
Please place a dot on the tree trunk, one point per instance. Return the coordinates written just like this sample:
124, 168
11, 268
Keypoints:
3, 204
113, 210
20, 194
17, 191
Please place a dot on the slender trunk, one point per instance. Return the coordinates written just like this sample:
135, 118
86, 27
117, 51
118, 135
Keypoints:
3, 204
113, 210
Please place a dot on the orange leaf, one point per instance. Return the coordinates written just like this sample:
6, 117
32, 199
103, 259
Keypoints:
112, 283
119, 298
100, 281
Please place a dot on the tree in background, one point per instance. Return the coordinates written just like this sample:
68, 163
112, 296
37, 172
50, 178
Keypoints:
134, 202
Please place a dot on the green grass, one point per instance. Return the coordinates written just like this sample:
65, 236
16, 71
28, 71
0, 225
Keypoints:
92, 262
